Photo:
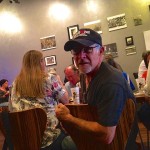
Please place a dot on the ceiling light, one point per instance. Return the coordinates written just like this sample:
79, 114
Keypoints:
59, 11
9, 23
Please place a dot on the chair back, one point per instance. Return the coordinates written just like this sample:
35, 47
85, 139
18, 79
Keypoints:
27, 128
123, 129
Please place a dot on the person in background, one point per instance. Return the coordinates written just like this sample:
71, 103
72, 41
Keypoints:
142, 67
4, 92
107, 88
52, 72
65, 80
73, 77
144, 111
142, 72
33, 87
110, 60
146, 61
147, 85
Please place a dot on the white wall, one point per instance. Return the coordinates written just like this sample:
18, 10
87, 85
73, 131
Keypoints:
37, 24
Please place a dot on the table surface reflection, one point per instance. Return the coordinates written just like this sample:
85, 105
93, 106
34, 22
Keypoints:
140, 97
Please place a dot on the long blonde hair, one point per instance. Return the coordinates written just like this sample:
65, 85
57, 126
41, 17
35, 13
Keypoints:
29, 82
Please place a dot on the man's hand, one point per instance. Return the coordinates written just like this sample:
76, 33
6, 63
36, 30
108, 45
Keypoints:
62, 112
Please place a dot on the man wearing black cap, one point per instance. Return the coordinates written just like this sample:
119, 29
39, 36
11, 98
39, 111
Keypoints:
107, 88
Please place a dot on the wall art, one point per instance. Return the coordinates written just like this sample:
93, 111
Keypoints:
48, 42
130, 50
129, 41
50, 60
72, 30
111, 49
116, 22
94, 25
137, 20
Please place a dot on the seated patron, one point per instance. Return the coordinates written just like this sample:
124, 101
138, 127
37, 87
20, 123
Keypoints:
142, 73
33, 87
142, 67
52, 72
4, 92
112, 62
147, 85
144, 111
73, 77
107, 88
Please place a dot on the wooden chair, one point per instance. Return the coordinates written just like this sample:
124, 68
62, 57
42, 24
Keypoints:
27, 128
123, 130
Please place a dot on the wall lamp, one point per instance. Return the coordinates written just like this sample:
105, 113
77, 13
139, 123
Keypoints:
11, 1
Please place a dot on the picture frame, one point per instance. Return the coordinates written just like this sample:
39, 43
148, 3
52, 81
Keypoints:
50, 60
72, 30
111, 49
94, 25
137, 20
130, 50
129, 40
117, 22
48, 42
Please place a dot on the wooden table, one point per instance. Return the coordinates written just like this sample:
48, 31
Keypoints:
140, 97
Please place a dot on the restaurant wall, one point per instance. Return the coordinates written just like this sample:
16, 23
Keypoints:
37, 24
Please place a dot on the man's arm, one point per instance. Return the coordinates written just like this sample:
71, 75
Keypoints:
99, 132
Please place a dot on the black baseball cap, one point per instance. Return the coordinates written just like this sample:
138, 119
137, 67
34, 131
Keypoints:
85, 37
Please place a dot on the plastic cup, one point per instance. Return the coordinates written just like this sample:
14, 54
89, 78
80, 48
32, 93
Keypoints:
75, 95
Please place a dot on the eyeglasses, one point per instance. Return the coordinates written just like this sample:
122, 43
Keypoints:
86, 50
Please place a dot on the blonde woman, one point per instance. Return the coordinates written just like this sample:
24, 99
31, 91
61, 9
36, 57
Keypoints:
35, 88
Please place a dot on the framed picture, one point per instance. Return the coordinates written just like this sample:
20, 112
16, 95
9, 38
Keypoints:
137, 20
72, 30
130, 50
50, 60
94, 25
48, 42
111, 49
116, 22
129, 41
